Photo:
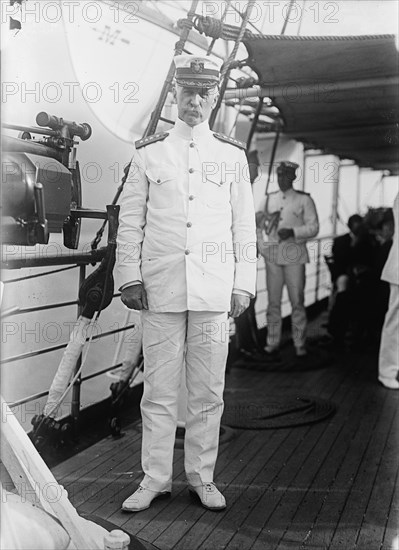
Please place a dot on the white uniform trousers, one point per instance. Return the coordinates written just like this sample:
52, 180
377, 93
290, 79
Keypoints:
198, 342
388, 364
293, 276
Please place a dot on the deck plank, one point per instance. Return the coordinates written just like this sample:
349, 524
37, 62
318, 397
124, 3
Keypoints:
308, 510
97, 451
391, 536
115, 480
98, 475
303, 469
276, 480
335, 498
82, 462
375, 519
349, 525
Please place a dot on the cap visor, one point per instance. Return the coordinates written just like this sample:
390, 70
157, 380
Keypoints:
191, 83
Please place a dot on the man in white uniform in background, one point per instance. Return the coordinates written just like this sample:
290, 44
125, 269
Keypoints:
286, 219
186, 257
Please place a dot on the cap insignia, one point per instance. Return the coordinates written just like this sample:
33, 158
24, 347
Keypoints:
197, 67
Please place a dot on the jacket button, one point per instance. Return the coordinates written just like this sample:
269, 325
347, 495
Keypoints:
191, 170
191, 198
187, 252
189, 224
192, 144
158, 181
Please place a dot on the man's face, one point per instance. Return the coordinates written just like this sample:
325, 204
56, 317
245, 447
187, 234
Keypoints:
356, 227
284, 179
194, 105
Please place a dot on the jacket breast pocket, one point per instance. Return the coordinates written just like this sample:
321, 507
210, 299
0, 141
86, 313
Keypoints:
217, 192
161, 188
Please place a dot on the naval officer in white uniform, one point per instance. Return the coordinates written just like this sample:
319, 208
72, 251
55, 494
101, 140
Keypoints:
286, 219
186, 257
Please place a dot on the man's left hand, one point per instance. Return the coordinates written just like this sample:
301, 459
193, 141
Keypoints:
285, 233
239, 304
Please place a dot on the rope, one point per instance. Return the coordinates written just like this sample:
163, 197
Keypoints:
213, 41
227, 66
301, 19
272, 156
255, 122
374, 188
237, 115
99, 235
209, 26
287, 17
213, 28
249, 22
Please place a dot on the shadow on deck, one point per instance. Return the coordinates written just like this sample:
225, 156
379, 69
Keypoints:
325, 485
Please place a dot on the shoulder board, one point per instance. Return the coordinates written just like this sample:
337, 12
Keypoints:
150, 139
302, 192
230, 140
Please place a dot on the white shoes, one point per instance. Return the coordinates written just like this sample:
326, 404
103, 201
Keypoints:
209, 495
390, 383
273, 351
300, 351
141, 499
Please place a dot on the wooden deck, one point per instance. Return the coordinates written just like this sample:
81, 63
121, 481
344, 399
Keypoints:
328, 485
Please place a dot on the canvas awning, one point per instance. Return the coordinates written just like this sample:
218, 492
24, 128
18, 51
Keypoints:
338, 94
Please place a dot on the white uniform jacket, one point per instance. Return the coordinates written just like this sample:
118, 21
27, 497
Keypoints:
390, 272
187, 222
295, 210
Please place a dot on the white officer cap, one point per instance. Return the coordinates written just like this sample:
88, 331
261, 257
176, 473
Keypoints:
196, 71
288, 167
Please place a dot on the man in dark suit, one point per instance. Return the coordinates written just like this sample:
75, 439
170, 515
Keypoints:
351, 274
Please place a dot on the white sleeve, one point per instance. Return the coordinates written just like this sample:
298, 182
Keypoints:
132, 219
244, 231
310, 226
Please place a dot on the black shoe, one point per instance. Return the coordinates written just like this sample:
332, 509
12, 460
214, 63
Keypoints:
259, 356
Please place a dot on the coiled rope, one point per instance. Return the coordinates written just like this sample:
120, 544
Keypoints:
214, 28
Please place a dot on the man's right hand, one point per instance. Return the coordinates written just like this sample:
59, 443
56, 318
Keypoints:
135, 297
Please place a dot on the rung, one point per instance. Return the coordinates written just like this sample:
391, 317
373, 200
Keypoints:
166, 120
